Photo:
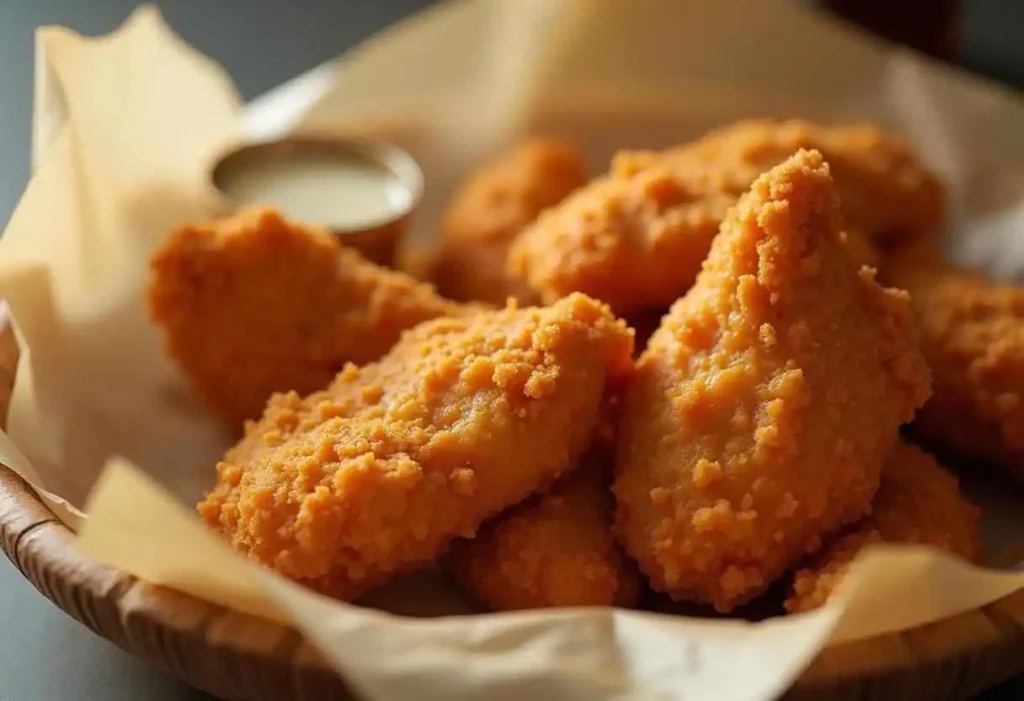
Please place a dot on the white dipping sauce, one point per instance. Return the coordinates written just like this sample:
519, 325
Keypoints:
333, 190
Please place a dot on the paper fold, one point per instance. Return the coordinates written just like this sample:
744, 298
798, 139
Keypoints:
125, 127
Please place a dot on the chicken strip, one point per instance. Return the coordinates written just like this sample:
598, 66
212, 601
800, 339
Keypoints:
463, 418
972, 335
255, 304
637, 237
489, 210
918, 502
556, 549
766, 402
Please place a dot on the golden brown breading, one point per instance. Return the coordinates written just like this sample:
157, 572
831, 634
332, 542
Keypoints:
636, 237
918, 502
490, 209
556, 549
255, 304
463, 418
764, 406
972, 335
884, 190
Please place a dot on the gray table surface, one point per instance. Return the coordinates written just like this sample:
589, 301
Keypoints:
44, 655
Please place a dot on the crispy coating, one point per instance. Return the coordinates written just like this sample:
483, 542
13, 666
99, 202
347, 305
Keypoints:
255, 304
556, 549
765, 404
490, 209
972, 335
884, 190
918, 502
463, 418
637, 237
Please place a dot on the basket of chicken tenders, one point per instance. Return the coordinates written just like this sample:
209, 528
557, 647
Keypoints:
691, 374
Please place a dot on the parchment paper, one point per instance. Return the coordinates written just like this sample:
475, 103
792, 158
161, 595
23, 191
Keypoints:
125, 128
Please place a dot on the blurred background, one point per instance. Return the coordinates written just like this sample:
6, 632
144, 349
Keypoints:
265, 42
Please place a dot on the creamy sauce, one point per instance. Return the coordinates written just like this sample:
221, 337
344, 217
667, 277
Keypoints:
336, 191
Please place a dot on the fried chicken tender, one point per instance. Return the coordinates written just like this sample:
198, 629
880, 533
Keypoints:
972, 335
762, 410
556, 549
637, 237
490, 209
255, 304
918, 502
463, 418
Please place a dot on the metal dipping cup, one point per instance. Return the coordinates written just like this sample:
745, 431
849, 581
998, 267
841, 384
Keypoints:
362, 190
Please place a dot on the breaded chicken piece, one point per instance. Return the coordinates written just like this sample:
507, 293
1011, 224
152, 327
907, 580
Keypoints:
255, 304
762, 410
463, 418
884, 190
556, 549
918, 502
490, 209
636, 237
972, 335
